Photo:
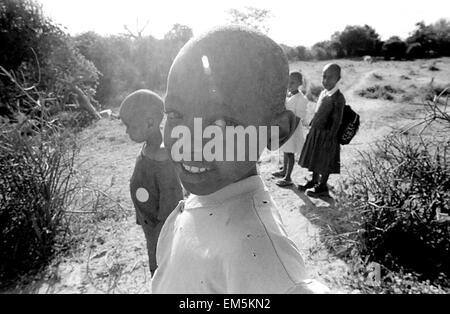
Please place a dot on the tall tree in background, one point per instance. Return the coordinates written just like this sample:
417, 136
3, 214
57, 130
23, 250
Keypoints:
358, 40
131, 61
251, 17
395, 48
434, 39
442, 29
176, 38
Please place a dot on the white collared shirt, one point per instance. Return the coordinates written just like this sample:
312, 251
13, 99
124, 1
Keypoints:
326, 93
231, 241
332, 91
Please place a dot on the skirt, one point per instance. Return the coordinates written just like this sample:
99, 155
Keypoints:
321, 152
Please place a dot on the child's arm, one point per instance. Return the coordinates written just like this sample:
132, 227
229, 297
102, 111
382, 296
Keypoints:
302, 110
170, 194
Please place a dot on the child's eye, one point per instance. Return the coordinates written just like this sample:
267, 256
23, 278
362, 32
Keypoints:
220, 122
173, 115
225, 122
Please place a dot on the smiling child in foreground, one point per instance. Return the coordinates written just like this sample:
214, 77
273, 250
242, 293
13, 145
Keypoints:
228, 237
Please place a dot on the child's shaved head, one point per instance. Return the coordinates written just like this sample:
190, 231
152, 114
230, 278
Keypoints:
331, 75
142, 104
333, 68
142, 112
296, 76
229, 77
239, 68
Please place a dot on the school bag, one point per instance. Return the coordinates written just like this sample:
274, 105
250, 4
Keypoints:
349, 126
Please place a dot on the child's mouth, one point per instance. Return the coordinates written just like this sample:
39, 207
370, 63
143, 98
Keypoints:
194, 170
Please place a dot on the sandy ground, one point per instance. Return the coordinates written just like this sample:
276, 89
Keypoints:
113, 259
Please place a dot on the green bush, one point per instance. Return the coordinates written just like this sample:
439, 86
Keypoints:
35, 187
401, 192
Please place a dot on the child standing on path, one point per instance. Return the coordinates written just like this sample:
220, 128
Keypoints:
321, 152
297, 103
154, 186
227, 237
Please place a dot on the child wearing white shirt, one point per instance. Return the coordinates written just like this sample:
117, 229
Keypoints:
298, 104
228, 236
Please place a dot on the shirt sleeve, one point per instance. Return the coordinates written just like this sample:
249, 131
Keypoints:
147, 202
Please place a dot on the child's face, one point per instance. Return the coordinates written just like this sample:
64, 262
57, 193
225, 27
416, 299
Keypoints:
294, 84
329, 78
137, 129
189, 97
141, 128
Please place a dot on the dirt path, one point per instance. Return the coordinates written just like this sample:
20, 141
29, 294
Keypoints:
113, 258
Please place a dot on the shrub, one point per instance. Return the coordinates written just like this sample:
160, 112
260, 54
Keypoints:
415, 51
394, 48
35, 187
42, 53
433, 68
380, 92
377, 76
399, 192
429, 92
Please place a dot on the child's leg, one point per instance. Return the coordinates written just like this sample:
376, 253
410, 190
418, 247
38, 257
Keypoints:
282, 173
320, 188
151, 237
324, 179
290, 157
315, 177
310, 184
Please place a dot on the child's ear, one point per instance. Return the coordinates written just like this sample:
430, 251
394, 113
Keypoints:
287, 123
150, 123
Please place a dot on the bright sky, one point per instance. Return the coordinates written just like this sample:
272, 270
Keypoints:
294, 22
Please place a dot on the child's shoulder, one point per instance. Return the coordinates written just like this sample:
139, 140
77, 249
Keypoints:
340, 96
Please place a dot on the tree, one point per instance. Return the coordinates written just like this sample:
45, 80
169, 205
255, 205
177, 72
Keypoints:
426, 37
319, 52
395, 48
415, 51
329, 49
303, 53
289, 52
180, 33
357, 41
442, 30
139, 30
173, 41
251, 17
45, 56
